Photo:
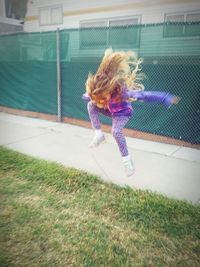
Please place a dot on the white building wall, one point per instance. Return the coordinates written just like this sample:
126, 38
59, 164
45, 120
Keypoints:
76, 11
150, 11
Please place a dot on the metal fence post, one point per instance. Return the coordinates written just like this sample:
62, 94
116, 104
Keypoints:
59, 107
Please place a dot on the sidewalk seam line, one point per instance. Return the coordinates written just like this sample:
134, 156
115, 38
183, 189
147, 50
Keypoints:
21, 140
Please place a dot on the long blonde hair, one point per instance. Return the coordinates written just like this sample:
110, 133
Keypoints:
117, 69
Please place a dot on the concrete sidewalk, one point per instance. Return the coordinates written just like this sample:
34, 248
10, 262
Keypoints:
171, 170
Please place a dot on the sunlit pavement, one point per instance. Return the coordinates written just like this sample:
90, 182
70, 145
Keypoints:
171, 170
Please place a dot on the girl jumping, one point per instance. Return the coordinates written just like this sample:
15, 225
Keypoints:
111, 90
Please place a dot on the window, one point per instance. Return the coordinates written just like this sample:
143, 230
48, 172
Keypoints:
112, 32
192, 30
93, 34
51, 15
121, 32
179, 26
16, 9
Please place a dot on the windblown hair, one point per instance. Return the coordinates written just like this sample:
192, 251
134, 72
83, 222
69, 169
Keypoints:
116, 70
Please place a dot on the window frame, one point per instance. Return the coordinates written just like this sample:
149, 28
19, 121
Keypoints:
49, 9
184, 14
107, 22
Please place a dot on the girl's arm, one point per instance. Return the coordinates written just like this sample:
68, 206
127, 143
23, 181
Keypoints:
164, 98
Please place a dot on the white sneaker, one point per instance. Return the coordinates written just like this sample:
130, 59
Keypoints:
97, 140
129, 168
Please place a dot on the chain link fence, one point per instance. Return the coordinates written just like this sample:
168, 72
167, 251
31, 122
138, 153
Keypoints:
32, 71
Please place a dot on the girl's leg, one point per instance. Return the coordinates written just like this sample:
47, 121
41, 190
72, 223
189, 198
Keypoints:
118, 124
93, 112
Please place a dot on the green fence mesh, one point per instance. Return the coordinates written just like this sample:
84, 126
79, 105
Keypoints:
171, 54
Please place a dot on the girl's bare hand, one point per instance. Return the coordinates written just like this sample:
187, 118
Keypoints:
175, 100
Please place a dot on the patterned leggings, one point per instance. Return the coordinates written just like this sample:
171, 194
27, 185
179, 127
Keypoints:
118, 123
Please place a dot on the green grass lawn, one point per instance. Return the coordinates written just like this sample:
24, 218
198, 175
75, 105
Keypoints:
56, 216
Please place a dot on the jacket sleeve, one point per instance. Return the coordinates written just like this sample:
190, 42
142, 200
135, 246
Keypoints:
86, 97
164, 98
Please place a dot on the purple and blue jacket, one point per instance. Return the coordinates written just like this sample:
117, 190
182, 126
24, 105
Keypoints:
124, 108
